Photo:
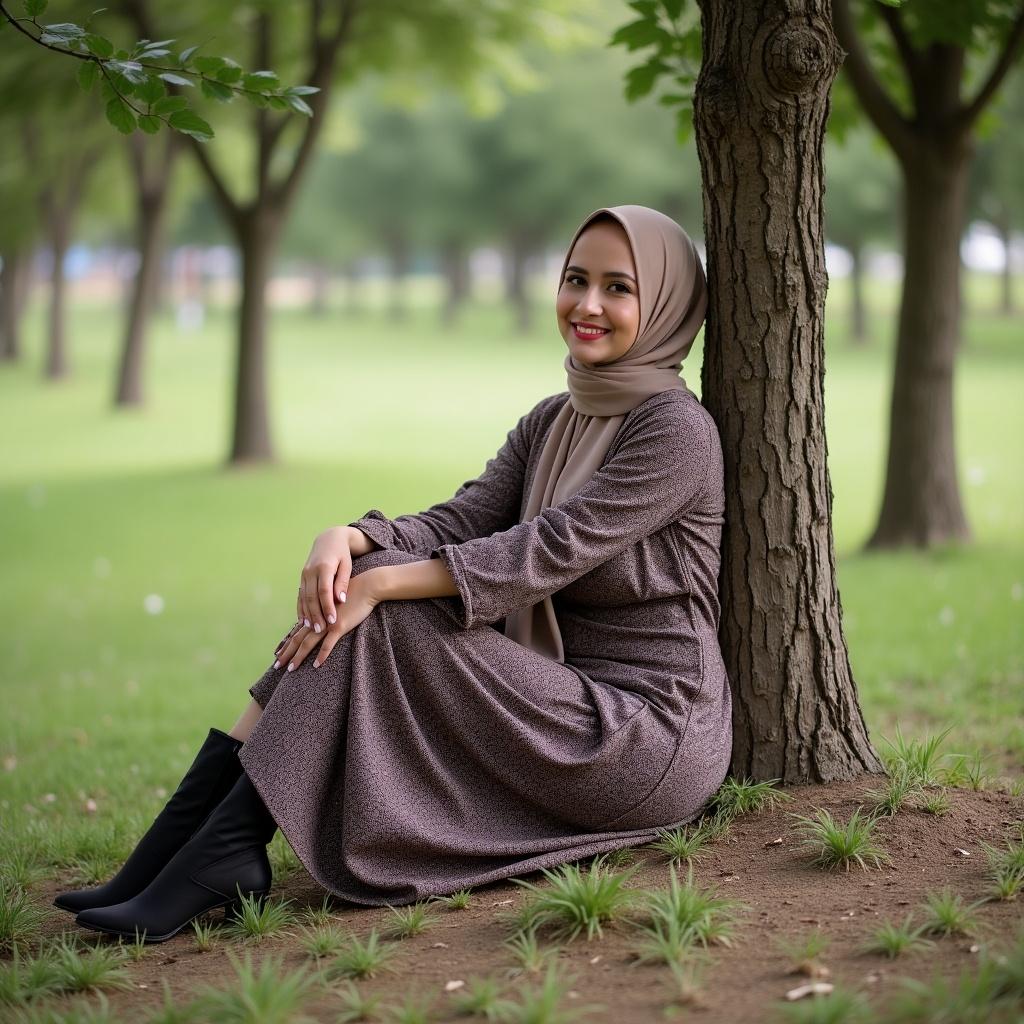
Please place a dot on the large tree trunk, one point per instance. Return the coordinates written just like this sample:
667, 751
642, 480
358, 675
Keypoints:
921, 503
796, 715
152, 177
859, 323
14, 286
259, 230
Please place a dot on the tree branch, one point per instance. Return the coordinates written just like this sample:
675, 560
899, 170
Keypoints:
325, 58
877, 103
970, 112
910, 57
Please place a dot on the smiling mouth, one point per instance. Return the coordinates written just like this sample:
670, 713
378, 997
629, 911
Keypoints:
588, 332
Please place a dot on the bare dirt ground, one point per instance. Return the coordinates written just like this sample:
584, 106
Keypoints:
785, 895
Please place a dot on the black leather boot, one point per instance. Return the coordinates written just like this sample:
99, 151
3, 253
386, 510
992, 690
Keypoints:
214, 771
223, 862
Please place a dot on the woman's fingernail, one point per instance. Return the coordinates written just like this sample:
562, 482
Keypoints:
305, 622
316, 627
291, 665
277, 664
332, 619
343, 596
316, 664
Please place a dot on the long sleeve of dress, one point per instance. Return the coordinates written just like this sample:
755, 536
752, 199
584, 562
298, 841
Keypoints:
656, 468
478, 508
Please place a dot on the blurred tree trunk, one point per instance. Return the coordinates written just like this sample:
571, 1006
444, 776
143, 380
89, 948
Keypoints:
152, 160
519, 248
859, 324
455, 263
321, 280
1004, 228
760, 135
399, 261
15, 281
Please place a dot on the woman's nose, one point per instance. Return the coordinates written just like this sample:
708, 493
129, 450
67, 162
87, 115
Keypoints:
590, 302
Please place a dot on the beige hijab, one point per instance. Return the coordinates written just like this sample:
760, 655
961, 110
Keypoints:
672, 290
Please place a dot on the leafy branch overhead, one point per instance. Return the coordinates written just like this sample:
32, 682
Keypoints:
139, 86
672, 28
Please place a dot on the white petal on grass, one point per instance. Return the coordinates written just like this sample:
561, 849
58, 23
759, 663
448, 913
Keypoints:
153, 603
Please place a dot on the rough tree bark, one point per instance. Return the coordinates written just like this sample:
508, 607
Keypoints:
152, 160
760, 107
934, 145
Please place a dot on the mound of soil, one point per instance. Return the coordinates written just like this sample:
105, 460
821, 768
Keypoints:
762, 863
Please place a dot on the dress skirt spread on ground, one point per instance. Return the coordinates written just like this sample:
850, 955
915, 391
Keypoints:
430, 752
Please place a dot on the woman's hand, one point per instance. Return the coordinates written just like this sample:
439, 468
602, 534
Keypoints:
362, 599
325, 578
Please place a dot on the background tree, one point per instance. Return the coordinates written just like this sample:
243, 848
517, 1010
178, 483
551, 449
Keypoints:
911, 83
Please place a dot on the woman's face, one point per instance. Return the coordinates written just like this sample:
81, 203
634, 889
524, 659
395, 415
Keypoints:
597, 304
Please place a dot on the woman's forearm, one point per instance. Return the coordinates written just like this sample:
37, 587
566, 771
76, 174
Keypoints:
409, 580
358, 542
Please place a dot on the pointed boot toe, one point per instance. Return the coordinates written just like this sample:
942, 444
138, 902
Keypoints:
212, 774
224, 862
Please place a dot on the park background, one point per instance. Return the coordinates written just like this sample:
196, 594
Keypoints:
148, 576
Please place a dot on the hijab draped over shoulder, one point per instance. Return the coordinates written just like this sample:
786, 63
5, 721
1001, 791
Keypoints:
672, 292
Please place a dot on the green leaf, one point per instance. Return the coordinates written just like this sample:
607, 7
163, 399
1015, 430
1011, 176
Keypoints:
149, 124
261, 81
100, 46
257, 99
172, 79
131, 69
637, 34
169, 104
277, 102
208, 65
153, 54
62, 32
188, 122
216, 91
298, 104
33, 8
87, 74
229, 74
151, 90
301, 90
120, 115
673, 8
186, 55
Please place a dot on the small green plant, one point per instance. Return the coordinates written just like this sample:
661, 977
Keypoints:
935, 803
804, 953
736, 797
892, 940
172, 1011
901, 784
409, 920
835, 845
684, 844
354, 1005
685, 981
323, 941
620, 858
947, 914
283, 861
529, 954
575, 902
257, 919
20, 916
360, 959
840, 1006
687, 911
206, 935
967, 773
717, 825
80, 1011
22, 980
137, 948
481, 997
319, 916
543, 1004
416, 1008
1005, 869
669, 941
919, 758
93, 968
457, 900
20, 867
269, 995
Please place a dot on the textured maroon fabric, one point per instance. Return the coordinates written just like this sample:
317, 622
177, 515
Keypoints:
431, 752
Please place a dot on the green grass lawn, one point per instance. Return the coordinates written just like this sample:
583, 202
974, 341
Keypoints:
100, 510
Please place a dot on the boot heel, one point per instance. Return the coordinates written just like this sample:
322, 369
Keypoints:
233, 910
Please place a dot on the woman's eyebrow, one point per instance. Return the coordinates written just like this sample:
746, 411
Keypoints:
611, 273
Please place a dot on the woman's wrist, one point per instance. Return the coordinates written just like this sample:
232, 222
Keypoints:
358, 542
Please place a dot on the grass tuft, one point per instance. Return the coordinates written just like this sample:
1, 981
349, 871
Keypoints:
360, 959
258, 919
892, 940
947, 914
269, 995
481, 997
735, 797
410, 920
838, 846
20, 915
575, 901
